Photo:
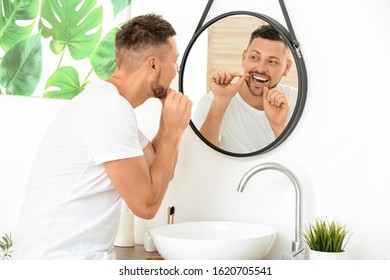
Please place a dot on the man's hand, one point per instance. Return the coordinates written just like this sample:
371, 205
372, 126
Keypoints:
221, 84
176, 112
276, 108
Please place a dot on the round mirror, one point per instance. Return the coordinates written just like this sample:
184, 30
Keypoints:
229, 114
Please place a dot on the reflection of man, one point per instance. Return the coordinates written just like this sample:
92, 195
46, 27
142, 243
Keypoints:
247, 115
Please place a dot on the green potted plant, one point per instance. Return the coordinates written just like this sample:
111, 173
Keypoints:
326, 239
5, 247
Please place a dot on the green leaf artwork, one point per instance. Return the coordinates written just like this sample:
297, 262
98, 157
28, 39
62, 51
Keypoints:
103, 59
21, 67
72, 23
119, 5
65, 83
34, 32
17, 19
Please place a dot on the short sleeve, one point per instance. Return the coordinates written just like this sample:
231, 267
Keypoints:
143, 140
111, 131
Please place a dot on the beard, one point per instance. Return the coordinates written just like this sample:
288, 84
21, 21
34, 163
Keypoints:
158, 90
254, 92
257, 92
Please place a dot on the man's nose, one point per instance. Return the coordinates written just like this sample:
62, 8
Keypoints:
261, 66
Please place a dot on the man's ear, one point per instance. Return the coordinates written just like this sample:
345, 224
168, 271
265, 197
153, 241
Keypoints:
288, 66
243, 57
152, 63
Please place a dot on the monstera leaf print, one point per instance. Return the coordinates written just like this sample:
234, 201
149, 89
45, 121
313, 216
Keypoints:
75, 24
13, 12
119, 5
103, 59
71, 27
64, 83
21, 67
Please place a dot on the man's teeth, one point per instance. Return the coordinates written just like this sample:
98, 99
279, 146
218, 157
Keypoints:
258, 79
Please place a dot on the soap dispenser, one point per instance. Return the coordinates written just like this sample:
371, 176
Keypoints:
148, 241
125, 234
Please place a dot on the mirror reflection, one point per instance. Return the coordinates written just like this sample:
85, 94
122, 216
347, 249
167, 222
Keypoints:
248, 84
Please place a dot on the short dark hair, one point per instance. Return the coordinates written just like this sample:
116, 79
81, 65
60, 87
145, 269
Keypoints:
142, 33
266, 32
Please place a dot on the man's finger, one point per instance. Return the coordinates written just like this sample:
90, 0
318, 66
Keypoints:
242, 78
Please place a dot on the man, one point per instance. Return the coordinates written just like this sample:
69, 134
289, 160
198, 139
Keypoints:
247, 115
93, 153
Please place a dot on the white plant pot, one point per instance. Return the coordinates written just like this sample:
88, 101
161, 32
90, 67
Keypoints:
317, 255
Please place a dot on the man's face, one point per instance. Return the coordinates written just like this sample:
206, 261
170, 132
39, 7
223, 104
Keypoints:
266, 61
168, 70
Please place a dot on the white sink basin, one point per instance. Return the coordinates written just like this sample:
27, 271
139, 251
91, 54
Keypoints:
213, 240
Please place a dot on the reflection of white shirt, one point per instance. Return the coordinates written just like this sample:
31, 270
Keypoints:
244, 129
71, 210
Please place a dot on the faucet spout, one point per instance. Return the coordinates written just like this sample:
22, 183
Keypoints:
296, 246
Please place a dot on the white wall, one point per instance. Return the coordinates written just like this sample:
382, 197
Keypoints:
23, 122
339, 150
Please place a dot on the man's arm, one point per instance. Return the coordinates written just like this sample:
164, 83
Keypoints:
151, 150
142, 181
211, 126
224, 90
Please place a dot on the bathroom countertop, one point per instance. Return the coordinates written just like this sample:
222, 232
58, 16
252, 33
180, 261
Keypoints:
134, 253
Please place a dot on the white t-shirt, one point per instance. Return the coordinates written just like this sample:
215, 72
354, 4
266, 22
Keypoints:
71, 209
244, 129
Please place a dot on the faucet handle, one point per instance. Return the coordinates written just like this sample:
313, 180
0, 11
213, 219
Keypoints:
294, 255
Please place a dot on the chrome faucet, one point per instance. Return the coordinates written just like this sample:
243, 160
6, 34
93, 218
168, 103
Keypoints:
297, 244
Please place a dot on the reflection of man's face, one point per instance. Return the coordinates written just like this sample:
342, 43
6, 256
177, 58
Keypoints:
266, 61
167, 71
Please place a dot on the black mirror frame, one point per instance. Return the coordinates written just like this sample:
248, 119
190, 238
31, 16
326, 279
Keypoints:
302, 81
